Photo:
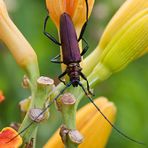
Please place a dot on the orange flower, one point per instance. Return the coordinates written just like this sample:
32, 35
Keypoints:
75, 8
1, 96
6, 135
91, 124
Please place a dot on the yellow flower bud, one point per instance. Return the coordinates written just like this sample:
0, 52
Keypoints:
128, 11
91, 124
128, 44
15, 41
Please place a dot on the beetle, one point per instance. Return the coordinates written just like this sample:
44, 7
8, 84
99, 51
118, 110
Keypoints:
70, 49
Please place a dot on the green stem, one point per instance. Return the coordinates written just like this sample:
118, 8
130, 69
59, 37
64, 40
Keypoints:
69, 120
33, 74
69, 116
39, 94
99, 74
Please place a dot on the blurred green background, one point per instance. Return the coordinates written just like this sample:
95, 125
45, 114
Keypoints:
127, 89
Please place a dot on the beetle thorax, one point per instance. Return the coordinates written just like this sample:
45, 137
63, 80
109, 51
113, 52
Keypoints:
73, 70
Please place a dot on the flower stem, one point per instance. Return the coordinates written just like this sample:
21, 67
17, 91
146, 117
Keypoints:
39, 94
68, 110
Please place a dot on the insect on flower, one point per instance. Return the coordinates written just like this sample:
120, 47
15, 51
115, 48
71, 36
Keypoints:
70, 49
72, 58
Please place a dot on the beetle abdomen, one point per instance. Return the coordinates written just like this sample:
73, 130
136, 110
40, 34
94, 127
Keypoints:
70, 47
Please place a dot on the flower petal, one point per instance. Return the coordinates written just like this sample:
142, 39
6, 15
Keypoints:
95, 128
128, 44
75, 8
123, 15
6, 135
56, 8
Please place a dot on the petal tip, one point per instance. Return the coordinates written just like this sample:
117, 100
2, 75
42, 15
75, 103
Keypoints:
5, 138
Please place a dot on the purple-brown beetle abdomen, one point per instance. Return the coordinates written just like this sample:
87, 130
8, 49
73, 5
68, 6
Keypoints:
70, 47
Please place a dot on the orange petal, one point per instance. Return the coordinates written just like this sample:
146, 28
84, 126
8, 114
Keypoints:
1, 96
96, 130
91, 124
6, 135
75, 8
56, 8
79, 16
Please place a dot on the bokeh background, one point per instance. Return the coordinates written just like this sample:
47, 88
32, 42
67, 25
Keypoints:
128, 89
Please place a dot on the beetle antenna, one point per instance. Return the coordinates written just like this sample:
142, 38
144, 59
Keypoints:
111, 124
61, 92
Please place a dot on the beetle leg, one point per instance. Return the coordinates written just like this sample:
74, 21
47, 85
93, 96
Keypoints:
88, 88
85, 48
49, 35
62, 75
80, 84
85, 24
54, 60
